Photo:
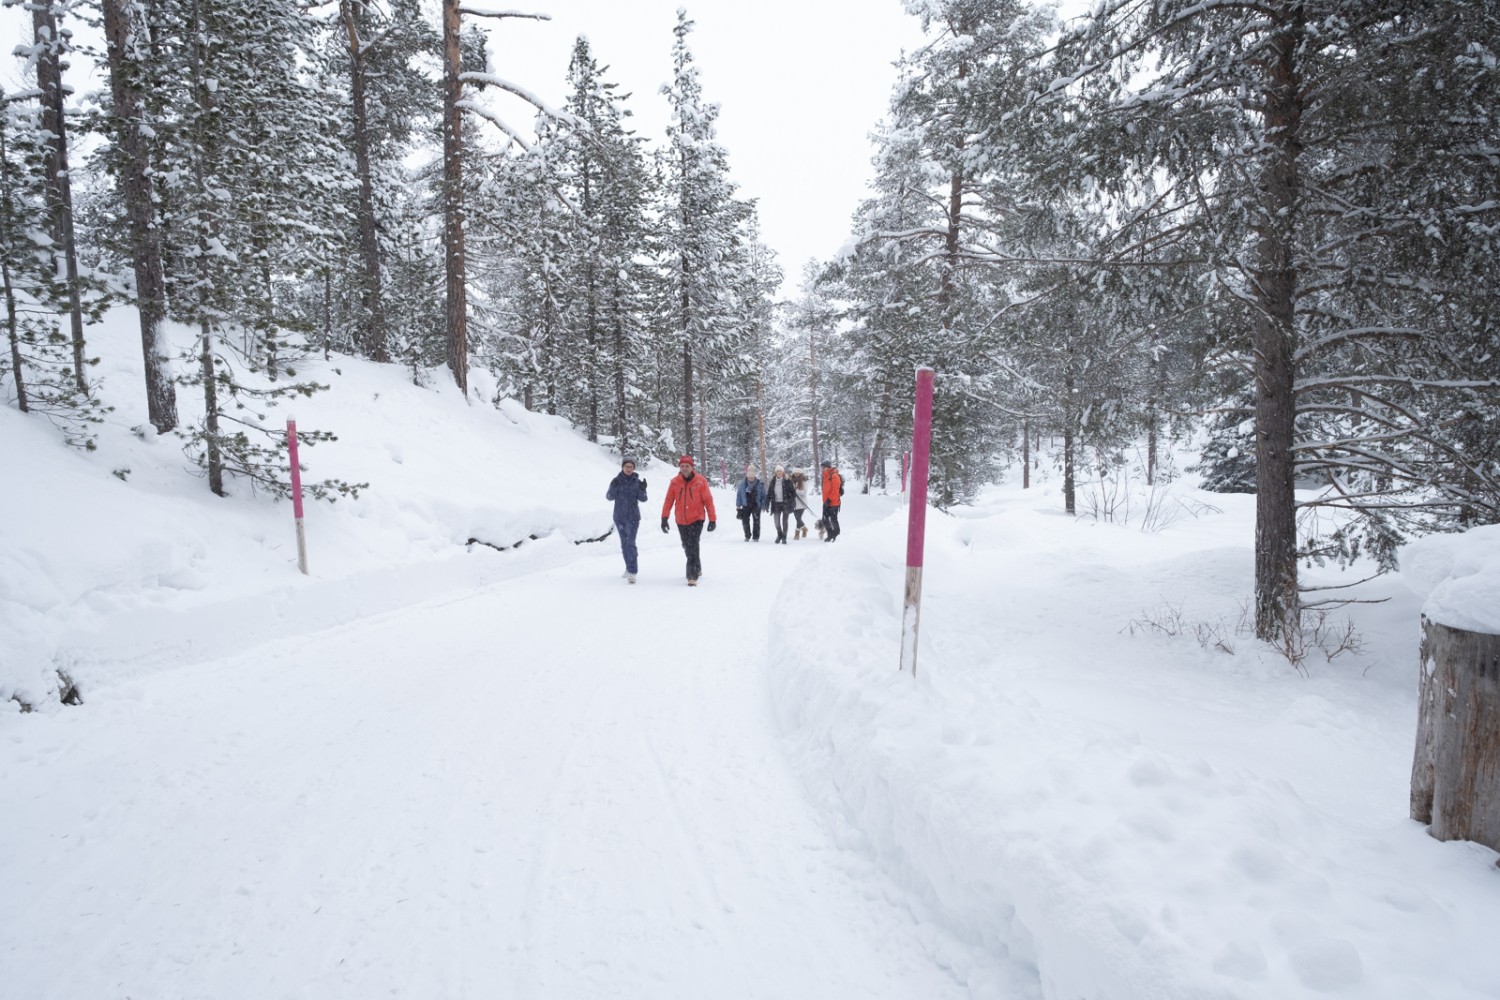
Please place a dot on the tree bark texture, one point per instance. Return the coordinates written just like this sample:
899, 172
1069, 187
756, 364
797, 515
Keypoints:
1025, 454
453, 201
760, 428
213, 453
12, 317
1455, 776
877, 447
812, 361
621, 424
12, 326
1277, 604
58, 181
145, 239
370, 334
702, 450
687, 353
1070, 419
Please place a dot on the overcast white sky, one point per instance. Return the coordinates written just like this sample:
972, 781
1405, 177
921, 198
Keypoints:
800, 84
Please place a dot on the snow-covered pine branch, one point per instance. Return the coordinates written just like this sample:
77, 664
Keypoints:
491, 80
486, 12
468, 104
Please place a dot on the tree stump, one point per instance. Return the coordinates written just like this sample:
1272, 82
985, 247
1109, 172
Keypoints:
1455, 777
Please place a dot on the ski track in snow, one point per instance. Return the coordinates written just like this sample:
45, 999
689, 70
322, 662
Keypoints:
556, 786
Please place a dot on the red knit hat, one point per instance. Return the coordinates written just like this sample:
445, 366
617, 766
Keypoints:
685, 460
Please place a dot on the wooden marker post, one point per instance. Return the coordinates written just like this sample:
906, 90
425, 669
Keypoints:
916, 522
291, 445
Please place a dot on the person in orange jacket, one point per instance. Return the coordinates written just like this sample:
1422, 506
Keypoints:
690, 494
833, 492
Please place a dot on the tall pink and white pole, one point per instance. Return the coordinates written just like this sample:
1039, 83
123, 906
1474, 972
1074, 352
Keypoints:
916, 519
291, 446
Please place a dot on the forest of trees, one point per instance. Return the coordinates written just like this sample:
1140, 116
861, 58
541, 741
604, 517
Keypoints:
1274, 225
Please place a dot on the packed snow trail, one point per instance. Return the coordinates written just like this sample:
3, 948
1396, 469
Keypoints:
558, 786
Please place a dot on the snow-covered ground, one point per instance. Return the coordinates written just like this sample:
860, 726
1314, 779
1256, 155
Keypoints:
440, 770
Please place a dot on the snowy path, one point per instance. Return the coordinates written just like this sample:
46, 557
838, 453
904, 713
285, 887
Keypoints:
554, 787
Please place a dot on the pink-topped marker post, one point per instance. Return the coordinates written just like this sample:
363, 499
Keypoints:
916, 520
291, 447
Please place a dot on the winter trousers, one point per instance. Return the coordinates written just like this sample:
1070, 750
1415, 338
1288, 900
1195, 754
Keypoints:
627, 531
798, 515
831, 521
783, 518
752, 516
691, 535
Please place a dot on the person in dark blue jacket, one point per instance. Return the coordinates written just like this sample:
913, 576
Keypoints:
628, 491
749, 501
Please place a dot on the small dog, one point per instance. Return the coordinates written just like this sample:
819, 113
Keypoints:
819, 525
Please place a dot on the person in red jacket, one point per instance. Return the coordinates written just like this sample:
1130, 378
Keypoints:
690, 494
833, 493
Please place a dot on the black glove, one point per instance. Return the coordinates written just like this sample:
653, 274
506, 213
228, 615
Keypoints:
712, 525
643, 482
739, 512
664, 528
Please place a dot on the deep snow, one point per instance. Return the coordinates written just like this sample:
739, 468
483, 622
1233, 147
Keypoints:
435, 770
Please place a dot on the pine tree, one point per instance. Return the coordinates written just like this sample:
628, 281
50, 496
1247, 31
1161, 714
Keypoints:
40, 360
252, 208
1289, 169
607, 184
51, 44
130, 73
701, 217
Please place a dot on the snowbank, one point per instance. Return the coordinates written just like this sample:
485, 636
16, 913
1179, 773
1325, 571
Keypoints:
1138, 815
1459, 575
120, 560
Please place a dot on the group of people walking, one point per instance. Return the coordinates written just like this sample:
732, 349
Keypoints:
689, 501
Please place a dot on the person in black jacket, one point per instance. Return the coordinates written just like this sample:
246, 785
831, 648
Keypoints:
782, 496
628, 491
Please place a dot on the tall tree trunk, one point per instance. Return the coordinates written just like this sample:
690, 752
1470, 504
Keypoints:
1070, 416
327, 314
125, 79
12, 317
12, 327
621, 413
702, 428
213, 455
57, 179
370, 334
812, 359
1025, 453
1277, 607
760, 425
687, 354
453, 201
877, 448
949, 289
591, 320
1151, 435
203, 96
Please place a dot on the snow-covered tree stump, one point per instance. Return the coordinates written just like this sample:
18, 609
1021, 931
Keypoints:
1455, 778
